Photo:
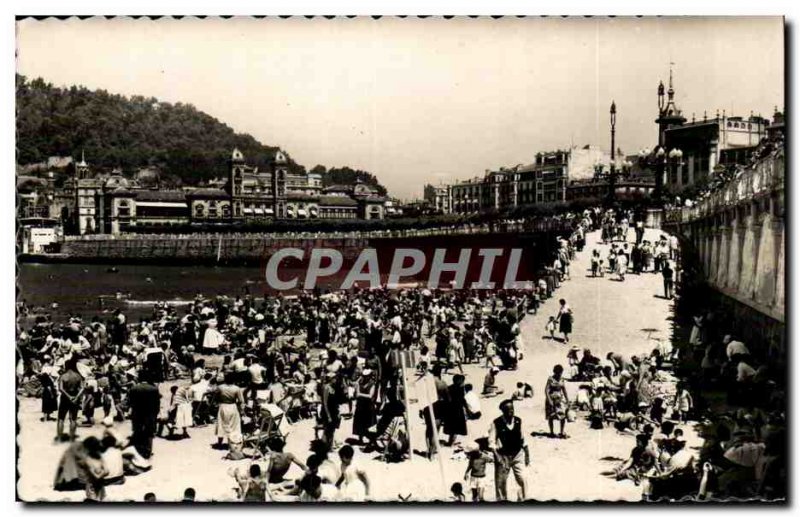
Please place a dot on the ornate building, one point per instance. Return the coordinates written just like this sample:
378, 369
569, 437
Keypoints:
703, 144
87, 190
114, 204
279, 193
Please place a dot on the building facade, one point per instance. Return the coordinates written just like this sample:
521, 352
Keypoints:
544, 181
87, 191
439, 197
114, 204
704, 144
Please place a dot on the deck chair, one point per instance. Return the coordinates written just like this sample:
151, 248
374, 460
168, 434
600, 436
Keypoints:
270, 423
394, 440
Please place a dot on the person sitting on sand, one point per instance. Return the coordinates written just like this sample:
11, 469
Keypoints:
523, 391
252, 485
279, 462
490, 388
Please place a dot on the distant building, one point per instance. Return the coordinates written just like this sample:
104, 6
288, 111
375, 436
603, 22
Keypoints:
38, 234
544, 181
87, 190
706, 143
439, 197
112, 203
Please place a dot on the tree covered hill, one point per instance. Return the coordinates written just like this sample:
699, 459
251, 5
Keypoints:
135, 132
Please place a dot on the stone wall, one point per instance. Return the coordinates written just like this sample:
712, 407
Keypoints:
251, 250
738, 235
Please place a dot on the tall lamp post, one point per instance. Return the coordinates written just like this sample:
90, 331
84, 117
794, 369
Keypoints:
612, 176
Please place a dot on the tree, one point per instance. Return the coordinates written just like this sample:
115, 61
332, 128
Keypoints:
137, 131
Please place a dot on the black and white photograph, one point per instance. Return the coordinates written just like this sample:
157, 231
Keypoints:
382, 259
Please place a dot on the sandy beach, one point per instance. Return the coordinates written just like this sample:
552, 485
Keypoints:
625, 317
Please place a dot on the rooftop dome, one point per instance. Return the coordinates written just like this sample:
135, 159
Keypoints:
116, 180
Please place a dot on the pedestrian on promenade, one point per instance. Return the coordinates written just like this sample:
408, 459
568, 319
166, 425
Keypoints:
622, 265
669, 282
556, 400
564, 318
595, 262
510, 451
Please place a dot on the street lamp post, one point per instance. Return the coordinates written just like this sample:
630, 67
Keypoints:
612, 176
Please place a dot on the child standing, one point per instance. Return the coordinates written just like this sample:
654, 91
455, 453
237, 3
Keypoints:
595, 262
551, 327
491, 353
475, 475
424, 360
612, 259
683, 402
597, 414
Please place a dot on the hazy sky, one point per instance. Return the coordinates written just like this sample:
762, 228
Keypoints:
417, 101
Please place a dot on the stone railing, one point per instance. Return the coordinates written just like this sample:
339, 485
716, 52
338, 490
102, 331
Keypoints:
762, 178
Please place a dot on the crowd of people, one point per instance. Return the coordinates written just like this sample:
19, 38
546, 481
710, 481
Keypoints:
238, 363
251, 367
772, 146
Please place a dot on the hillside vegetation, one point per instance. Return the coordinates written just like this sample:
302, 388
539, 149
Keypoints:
135, 132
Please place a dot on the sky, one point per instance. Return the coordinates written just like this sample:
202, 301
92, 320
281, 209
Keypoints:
418, 101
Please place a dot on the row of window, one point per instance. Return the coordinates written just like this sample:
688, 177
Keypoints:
740, 125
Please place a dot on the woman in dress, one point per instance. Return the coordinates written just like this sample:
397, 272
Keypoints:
455, 421
182, 403
556, 401
564, 319
364, 416
229, 420
49, 390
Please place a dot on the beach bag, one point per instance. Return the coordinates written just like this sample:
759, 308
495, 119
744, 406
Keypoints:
596, 420
572, 415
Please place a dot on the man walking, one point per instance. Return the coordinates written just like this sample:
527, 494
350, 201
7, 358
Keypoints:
510, 450
145, 403
668, 274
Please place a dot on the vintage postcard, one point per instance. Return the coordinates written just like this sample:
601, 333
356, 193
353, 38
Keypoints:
410, 260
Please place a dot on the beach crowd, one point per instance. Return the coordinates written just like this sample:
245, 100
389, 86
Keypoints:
253, 367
